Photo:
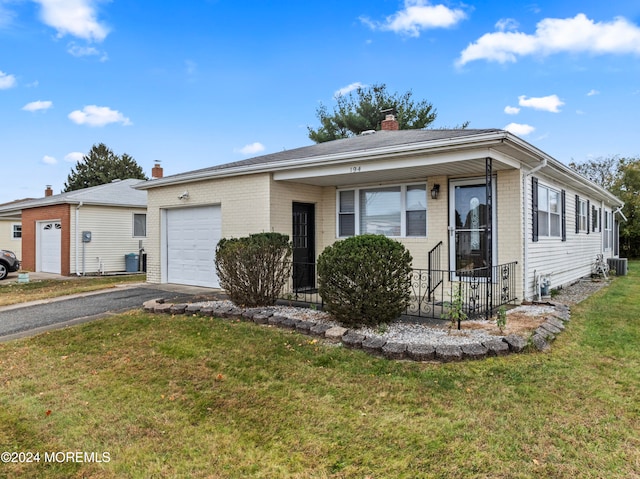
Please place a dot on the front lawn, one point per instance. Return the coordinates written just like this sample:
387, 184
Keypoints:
193, 397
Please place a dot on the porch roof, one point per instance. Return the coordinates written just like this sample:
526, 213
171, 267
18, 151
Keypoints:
426, 148
394, 156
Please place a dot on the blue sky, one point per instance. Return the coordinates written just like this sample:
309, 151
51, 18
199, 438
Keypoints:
199, 83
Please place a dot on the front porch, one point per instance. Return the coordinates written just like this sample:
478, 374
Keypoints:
482, 290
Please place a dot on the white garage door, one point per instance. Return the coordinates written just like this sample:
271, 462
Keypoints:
192, 236
49, 247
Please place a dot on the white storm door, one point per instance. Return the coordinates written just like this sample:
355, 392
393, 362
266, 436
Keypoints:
49, 247
192, 236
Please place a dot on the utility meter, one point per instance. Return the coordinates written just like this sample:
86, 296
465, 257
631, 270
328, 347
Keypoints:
86, 236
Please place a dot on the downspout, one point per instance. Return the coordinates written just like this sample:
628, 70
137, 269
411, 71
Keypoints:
525, 239
77, 239
619, 210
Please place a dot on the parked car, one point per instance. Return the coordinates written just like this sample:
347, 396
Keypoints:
8, 263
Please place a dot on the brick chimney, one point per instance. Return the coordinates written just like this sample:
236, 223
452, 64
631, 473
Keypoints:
48, 191
390, 123
157, 171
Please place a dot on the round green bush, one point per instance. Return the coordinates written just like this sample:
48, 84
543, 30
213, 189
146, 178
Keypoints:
365, 280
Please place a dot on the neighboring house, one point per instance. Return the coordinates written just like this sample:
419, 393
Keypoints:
86, 231
479, 197
11, 229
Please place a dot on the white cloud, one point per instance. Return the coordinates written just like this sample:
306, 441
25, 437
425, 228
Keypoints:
546, 103
416, 16
555, 35
250, 149
345, 90
49, 160
519, 129
506, 24
593, 92
93, 115
38, 105
73, 17
74, 157
511, 110
7, 81
80, 51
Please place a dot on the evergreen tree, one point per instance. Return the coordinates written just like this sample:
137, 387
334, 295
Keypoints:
102, 166
362, 109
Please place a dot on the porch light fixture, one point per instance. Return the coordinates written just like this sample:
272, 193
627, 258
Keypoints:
435, 191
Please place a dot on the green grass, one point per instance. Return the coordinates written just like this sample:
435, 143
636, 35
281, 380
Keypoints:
14, 293
191, 397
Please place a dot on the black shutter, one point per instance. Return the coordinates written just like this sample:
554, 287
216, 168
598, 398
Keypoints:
588, 211
577, 214
563, 208
534, 207
600, 222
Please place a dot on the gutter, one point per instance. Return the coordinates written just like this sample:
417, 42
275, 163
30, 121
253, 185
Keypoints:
77, 239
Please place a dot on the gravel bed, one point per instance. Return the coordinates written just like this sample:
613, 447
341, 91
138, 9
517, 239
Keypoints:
579, 291
414, 333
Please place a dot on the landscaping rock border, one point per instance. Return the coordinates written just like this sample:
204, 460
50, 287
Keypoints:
554, 324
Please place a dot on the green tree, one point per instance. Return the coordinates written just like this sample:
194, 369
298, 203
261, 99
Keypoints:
602, 171
627, 188
362, 109
100, 166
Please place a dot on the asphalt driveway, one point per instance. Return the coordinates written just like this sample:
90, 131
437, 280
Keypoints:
23, 320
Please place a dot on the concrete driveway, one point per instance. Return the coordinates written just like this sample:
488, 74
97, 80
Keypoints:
28, 319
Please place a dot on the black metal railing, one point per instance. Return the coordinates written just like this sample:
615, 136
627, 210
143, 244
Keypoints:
481, 291
302, 287
435, 277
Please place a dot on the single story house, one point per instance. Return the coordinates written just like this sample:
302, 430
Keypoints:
11, 229
459, 200
87, 231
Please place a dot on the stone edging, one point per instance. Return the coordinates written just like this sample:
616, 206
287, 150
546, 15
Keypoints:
554, 324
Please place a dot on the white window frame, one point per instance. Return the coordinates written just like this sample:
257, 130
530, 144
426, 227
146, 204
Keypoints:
403, 208
16, 228
608, 230
133, 225
583, 227
546, 209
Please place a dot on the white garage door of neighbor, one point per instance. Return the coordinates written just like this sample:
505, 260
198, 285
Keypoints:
192, 236
49, 248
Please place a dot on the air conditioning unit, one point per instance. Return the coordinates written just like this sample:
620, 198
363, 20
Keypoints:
619, 265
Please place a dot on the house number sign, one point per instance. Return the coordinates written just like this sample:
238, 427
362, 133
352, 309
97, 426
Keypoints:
355, 169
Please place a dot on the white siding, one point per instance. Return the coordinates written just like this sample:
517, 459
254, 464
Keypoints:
7, 241
111, 238
564, 262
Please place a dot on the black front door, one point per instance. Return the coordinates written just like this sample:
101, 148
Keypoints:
304, 240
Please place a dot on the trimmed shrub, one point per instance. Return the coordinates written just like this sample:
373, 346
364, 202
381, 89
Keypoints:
365, 280
254, 269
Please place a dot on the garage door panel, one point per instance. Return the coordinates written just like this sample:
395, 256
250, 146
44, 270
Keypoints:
49, 247
192, 235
